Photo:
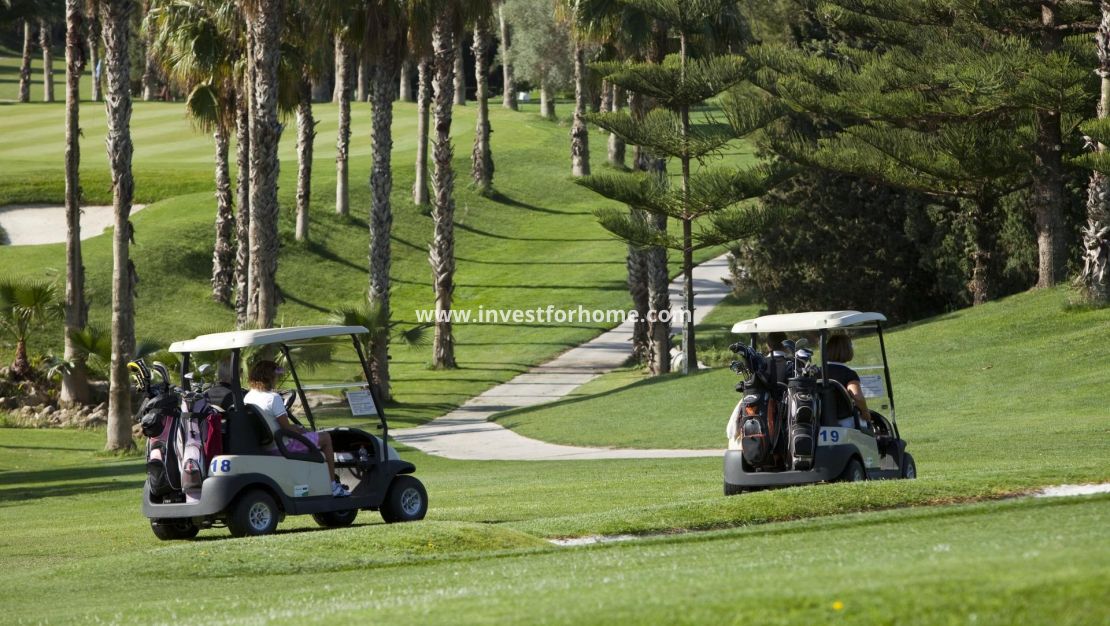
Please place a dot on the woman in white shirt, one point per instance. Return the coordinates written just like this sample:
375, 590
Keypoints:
262, 395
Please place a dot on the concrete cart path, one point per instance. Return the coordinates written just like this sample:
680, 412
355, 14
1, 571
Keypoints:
466, 433
33, 224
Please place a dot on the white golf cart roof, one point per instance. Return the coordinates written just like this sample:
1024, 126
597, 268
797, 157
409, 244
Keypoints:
818, 320
261, 337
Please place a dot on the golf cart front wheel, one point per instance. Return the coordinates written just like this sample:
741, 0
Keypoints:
853, 473
909, 468
254, 513
336, 519
732, 490
406, 501
170, 530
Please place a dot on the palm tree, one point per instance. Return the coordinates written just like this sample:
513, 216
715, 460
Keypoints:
442, 249
75, 387
25, 64
24, 306
423, 113
265, 19
481, 157
388, 36
508, 97
116, 17
309, 32
45, 41
243, 198
343, 58
93, 21
1094, 278
460, 72
383, 330
404, 85
197, 43
579, 133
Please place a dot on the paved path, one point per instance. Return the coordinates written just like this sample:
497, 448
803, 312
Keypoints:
466, 433
31, 224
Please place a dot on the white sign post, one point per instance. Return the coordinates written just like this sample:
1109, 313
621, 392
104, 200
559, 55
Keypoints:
362, 403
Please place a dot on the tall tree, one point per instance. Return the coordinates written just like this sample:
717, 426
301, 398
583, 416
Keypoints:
388, 37
543, 53
460, 73
423, 115
25, 64
306, 137
95, 78
75, 387
116, 19
343, 87
481, 158
264, 22
711, 195
441, 253
508, 91
579, 133
243, 198
45, 42
152, 78
1094, 278
405, 91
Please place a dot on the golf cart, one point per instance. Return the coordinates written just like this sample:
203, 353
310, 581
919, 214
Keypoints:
210, 466
788, 427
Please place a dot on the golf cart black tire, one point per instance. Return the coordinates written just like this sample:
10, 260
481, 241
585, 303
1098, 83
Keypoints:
173, 530
909, 467
399, 497
732, 490
336, 519
238, 519
853, 472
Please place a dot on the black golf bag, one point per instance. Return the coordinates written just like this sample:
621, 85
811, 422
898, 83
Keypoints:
802, 420
158, 418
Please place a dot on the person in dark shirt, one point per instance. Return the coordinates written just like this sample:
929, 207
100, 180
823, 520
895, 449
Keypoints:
839, 351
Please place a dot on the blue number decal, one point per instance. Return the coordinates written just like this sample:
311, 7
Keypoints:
835, 436
225, 465
212, 469
824, 435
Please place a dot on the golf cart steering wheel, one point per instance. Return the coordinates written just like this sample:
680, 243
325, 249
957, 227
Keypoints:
289, 398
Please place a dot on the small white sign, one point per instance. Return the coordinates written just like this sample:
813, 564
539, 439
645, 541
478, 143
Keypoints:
872, 386
362, 403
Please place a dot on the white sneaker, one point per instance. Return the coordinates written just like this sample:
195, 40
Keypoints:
339, 490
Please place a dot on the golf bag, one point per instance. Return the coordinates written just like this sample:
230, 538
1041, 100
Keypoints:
802, 412
199, 438
158, 417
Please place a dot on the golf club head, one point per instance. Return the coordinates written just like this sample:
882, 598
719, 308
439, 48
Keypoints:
788, 346
802, 342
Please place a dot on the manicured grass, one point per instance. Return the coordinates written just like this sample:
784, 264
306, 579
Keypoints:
535, 243
479, 557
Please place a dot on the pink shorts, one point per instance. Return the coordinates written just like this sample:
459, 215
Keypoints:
292, 445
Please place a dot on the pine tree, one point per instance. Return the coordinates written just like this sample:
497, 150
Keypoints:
709, 196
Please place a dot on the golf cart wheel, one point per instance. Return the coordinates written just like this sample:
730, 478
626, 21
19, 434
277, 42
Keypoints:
336, 519
170, 530
909, 468
853, 473
732, 490
406, 501
254, 513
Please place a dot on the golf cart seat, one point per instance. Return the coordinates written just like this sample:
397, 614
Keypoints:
836, 404
249, 433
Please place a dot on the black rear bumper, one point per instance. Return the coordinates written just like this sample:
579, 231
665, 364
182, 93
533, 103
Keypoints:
829, 464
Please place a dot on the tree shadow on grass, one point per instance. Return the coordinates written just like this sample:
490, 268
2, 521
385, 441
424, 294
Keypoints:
501, 198
485, 233
74, 473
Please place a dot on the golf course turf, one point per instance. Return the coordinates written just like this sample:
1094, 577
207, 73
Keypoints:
995, 401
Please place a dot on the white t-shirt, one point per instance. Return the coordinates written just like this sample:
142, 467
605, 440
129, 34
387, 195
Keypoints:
269, 403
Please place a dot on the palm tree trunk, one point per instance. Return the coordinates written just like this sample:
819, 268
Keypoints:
365, 72
47, 62
460, 75
636, 263
616, 144
243, 210
1095, 276
508, 95
423, 112
441, 253
481, 158
25, 64
343, 140
75, 385
404, 86
223, 255
116, 18
658, 287
94, 56
381, 210
547, 100
579, 132
264, 22
306, 136
689, 343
